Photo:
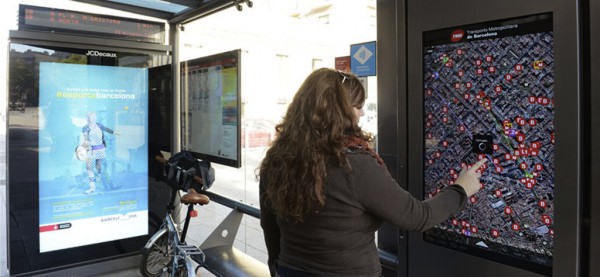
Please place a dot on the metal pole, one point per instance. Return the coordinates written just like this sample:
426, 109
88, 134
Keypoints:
174, 30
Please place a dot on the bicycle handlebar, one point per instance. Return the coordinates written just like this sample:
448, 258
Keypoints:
197, 179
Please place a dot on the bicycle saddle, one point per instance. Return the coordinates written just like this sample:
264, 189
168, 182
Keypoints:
192, 197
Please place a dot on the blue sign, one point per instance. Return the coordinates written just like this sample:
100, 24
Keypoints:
363, 59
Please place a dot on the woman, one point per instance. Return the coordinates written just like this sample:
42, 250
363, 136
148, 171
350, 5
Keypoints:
324, 192
92, 138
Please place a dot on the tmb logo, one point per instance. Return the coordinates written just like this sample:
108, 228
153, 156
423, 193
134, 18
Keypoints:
94, 53
457, 35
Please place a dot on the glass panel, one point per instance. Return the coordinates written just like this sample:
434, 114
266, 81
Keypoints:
153, 4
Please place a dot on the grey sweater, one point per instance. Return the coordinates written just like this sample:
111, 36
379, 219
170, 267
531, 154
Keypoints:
339, 240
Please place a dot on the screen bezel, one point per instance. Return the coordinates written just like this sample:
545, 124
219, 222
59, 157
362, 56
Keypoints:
211, 60
439, 37
23, 205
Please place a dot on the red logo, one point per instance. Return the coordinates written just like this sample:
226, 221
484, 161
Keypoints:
457, 35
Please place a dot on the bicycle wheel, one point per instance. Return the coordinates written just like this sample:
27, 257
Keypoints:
156, 258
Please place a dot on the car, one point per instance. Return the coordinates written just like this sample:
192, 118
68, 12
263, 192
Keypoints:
257, 132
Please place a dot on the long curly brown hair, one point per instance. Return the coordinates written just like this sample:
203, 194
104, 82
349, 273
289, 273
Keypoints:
311, 135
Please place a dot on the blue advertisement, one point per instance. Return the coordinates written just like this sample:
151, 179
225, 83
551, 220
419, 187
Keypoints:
93, 154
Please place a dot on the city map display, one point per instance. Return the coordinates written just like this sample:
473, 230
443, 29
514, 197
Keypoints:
488, 91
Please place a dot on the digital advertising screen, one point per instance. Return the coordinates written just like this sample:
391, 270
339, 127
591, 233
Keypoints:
93, 154
488, 92
211, 110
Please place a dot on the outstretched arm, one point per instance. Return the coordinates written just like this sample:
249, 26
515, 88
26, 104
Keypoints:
108, 130
382, 196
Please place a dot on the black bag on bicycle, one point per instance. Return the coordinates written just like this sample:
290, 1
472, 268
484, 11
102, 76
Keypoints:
183, 166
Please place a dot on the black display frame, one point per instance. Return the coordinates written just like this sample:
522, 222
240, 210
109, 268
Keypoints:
528, 24
24, 258
223, 58
426, 259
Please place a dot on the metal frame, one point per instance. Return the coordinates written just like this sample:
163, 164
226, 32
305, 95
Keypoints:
174, 34
72, 41
196, 9
189, 3
129, 8
594, 163
392, 113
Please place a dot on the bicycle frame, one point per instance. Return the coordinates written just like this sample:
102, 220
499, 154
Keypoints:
175, 239
167, 249
180, 252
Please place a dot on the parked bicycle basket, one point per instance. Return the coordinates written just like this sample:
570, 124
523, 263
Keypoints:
182, 168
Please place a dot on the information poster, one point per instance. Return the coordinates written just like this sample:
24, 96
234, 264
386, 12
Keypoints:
211, 107
93, 154
489, 93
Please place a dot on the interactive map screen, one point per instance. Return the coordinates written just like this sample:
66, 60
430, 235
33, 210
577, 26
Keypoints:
488, 91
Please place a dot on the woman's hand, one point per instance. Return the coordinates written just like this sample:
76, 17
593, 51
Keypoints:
469, 178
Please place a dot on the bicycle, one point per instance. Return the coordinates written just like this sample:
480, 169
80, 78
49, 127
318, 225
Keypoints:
166, 251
